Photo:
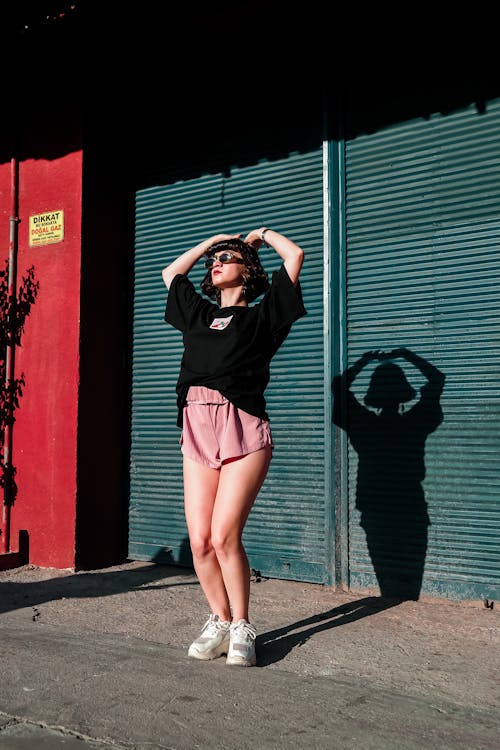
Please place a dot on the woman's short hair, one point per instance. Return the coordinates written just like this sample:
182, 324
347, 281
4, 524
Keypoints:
255, 278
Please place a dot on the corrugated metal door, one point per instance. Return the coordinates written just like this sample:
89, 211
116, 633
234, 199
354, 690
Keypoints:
423, 262
287, 534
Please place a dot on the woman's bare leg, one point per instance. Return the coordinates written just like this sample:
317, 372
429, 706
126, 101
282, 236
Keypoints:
238, 487
200, 490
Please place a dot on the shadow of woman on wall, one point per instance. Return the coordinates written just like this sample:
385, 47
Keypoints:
389, 438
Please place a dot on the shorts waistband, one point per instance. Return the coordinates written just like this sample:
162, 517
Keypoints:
200, 394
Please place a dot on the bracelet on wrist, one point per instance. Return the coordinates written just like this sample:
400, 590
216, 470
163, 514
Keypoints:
263, 235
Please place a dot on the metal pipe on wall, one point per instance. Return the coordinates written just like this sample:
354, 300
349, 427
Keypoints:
9, 355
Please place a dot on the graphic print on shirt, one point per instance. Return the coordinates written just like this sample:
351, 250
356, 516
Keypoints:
218, 324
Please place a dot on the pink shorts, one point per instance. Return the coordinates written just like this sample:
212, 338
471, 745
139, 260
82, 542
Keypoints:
214, 430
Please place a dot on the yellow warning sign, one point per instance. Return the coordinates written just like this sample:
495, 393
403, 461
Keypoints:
46, 229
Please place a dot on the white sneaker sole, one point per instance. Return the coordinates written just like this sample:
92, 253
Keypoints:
194, 653
240, 661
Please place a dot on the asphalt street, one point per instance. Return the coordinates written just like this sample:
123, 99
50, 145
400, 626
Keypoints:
73, 678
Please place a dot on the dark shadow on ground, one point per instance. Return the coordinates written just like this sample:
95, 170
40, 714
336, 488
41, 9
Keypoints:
276, 644
17, 595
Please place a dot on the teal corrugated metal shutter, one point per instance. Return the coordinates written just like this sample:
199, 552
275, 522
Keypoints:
286, 535
423, 262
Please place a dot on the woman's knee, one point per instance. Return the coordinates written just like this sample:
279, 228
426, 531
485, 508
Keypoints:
226, 542
201, 545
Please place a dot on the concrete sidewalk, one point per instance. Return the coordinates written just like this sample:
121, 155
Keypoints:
98, 660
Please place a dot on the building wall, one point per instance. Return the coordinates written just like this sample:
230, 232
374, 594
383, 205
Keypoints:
45, 430
105, 342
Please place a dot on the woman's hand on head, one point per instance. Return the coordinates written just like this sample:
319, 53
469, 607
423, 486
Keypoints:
254, 238
184, 263
222, 237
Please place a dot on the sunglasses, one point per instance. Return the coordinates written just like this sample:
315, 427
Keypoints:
226, 257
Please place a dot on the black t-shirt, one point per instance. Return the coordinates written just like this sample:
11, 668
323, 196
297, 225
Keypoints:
230, 348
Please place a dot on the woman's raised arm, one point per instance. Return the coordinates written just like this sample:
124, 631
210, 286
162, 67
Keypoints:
184, 263
290, 252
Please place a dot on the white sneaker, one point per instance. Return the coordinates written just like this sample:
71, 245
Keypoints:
242, 645
213, 641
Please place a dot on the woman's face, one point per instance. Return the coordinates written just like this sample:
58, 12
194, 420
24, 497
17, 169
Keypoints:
227, 272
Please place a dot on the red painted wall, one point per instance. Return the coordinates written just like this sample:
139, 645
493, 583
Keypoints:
45, 432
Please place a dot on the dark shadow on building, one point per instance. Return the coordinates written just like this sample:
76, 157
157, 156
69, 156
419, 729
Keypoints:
176, 554
390, 443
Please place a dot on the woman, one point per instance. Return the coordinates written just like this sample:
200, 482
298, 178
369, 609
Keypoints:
226, 439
